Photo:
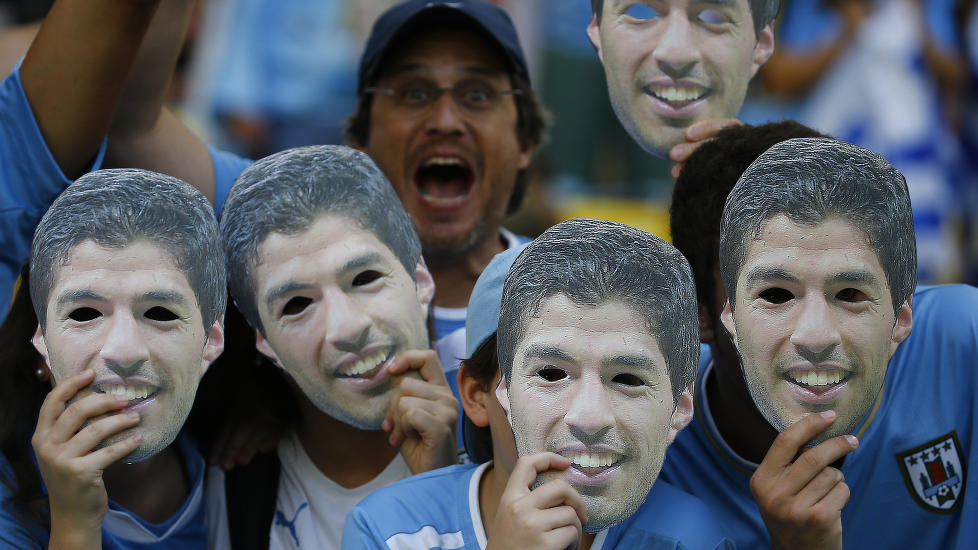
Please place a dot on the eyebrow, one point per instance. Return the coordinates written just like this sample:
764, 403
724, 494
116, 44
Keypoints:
274, 294
361, 261
76, 295
624, 360
548, 352
858, 277
630, 361
166, 296
765, 273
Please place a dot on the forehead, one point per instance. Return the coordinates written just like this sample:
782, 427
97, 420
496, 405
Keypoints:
444, 50
743, 5
584, 333
138, 267
833, 245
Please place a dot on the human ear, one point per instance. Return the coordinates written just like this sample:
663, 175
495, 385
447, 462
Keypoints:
473, 397
214, 345
764, 48
683, 413
594, 34
726, 317
902, 326
41, 345
425, 285
502, 395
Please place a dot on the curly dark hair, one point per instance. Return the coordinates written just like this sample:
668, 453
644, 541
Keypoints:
702, 188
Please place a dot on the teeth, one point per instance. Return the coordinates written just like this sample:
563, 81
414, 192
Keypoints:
130, 392
679, 95
818, 378
366, 364
594, 460
443, 161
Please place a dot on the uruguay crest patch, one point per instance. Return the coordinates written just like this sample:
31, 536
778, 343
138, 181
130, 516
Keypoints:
935, 472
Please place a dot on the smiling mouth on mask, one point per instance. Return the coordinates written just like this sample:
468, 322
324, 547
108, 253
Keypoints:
135, 393
818, 380
677, 96
593, 462
444, 180
366, 367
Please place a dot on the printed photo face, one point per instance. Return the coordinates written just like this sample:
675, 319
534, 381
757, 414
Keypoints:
131, 316
814, 322
672, 63
591, 384
337, 305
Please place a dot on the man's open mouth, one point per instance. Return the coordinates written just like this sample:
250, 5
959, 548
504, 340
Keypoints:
444, 181
367, 367
818, 381
677, 96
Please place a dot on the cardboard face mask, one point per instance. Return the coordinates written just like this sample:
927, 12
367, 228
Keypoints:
812, 312
671, 66
136, 298
336, 328
588, 377
134, 320
327, 268
813, 322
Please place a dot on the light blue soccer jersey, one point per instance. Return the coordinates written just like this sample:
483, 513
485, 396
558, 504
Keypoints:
440, 510
908, 478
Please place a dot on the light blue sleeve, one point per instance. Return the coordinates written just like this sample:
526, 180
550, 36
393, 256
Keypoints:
30, 180
360, 533
227, 168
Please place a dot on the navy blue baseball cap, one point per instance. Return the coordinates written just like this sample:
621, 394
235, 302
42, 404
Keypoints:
486, 15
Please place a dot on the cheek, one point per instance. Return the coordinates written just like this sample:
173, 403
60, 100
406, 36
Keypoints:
649, 419
535, 411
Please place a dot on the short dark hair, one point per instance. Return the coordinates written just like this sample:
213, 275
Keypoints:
288, 191
810, 180
533, 118
762, 12
116, 207
702, 187
596, 261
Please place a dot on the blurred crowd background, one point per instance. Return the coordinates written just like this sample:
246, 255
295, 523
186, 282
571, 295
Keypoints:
897, 76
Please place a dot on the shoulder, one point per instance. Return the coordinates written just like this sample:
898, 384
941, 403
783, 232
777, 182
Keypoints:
671, 515
954, 302
945, 319
419, 506
438, 485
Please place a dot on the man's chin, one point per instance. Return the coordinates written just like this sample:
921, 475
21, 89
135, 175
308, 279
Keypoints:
604, 513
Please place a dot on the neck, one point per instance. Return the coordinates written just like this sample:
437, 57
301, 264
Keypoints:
153, 489
491, 488
456, 275
740, 424
345, 454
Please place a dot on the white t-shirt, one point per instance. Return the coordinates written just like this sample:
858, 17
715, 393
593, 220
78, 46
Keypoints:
310, 508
